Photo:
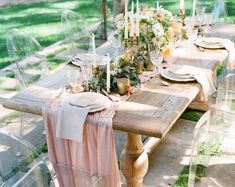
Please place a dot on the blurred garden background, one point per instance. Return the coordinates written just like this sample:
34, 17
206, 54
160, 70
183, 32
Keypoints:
41, 19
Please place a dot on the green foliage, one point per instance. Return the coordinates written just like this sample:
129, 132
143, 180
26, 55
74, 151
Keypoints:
43, 148
233, 106
23, 165
220, 69
42, 20
192, 115
54, 62
54, 53
211, 149
5, 120
182, 180
98, 82
126, 69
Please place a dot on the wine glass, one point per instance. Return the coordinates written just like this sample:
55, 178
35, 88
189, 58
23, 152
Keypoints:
191, 34
86, 70
115, 40
75, 77
208, 17
156, 58
200, 10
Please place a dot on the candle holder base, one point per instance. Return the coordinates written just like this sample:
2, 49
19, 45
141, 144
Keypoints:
95, 70
182, 16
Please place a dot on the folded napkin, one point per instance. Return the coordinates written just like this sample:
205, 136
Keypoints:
70, 121
228, 45
202, 76
73, 112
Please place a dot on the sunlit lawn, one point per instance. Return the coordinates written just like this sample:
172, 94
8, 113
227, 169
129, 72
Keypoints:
42, 20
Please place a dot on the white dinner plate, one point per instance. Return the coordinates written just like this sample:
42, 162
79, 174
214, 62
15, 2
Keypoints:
209, 43
94, 101
84, 58
166, 73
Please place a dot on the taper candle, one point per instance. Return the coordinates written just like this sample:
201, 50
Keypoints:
108, 74
137, 19
132, 32
157, 4
94, 51
181, 4
194, 8
126, 19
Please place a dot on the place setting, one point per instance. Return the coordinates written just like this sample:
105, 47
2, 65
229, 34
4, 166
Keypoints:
143, 71
210, 43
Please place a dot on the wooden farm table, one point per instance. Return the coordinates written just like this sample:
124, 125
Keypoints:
151, 111
223, 30
209, 60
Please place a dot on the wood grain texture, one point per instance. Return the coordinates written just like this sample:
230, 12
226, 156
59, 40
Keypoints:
223, 30
152, 110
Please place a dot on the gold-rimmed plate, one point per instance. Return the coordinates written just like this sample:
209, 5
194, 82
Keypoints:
209, 43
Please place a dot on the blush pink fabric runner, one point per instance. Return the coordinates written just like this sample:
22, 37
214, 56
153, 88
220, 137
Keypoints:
96, 155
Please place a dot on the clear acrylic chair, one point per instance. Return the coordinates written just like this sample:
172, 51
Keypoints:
225, 99
27, 58
219, 11
218, 121
75, 177
76, 31
213, 131
217, 8
28, 61
21, 165
213, 160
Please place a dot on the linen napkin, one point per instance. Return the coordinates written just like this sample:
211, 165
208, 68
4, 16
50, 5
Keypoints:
228, 45
202, 76
70, 121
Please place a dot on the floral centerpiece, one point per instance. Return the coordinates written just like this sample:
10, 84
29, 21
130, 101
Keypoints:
148, 29
157, 27
123, 70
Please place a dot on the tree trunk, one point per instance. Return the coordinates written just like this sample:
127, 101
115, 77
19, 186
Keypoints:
104, 10
118, 7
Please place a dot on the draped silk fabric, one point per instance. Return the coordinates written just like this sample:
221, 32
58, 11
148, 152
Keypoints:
77, 164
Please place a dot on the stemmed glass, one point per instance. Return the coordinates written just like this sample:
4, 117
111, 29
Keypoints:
75, 77
115, 40
156, 58
208, 17
200, 10
191, 34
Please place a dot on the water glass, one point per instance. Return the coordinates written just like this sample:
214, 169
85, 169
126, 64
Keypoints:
156, 58
75, 76
208, 21
191, 34
190, 21
200, 14
115, 40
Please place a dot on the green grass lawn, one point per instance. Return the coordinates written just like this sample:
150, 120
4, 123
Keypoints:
42, 20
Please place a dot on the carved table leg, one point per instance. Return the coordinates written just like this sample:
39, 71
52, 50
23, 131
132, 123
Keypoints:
134, 161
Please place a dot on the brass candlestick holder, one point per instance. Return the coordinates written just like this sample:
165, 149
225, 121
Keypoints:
132, 40
122, 85
125, 43
137, 40
182, 16
95, 70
